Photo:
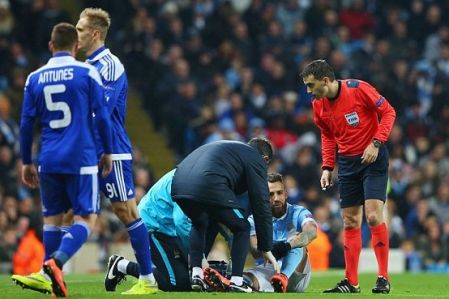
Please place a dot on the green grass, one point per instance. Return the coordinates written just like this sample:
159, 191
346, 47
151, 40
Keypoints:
403, 286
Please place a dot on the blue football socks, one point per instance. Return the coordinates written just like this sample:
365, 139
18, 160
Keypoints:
72, 241
140, 242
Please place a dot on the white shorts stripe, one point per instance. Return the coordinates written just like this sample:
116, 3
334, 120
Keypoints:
116, 157
119, 179
95, 193
125, 196
89, 170
122, 174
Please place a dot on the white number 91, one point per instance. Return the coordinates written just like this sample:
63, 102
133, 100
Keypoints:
57, 106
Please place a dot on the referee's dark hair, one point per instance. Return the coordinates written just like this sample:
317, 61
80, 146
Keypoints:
263, 146
319, 69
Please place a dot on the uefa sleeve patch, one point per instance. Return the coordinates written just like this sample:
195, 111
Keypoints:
352, 83
380, 102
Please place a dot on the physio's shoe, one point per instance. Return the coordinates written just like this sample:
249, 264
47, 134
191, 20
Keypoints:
142, 287
57, 278
199, 284
113, 275
344, 287
382, 286
34, 281
279, 283
244, 288
215, 280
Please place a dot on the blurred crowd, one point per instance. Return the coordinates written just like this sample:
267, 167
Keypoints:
210, 70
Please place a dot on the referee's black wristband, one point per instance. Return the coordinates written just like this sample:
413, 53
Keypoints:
327, 168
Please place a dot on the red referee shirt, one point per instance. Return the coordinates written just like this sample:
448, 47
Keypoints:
352, 120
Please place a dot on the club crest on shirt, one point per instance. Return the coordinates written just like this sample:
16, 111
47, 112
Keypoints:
352, 119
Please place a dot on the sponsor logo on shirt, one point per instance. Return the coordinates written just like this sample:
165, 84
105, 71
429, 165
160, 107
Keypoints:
352, 119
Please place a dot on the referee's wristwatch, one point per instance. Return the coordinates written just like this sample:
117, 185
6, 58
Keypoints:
377, 143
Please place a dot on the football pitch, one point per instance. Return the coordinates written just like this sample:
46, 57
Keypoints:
403, 286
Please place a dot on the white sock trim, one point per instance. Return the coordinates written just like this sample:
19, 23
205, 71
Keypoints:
149, 277
237, 280
122, 264
197, 271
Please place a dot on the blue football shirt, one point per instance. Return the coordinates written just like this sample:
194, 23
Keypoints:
64, 94
113, 76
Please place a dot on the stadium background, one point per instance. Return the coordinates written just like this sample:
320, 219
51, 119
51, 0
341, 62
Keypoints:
204, 70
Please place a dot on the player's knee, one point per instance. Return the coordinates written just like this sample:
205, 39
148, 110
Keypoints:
88, 219
373, 219
351, 221
125, 213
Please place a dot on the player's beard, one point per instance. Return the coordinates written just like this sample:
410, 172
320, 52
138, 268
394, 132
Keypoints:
279, 211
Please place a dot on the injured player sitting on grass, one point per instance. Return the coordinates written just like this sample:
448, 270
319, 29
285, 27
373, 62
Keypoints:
293, 229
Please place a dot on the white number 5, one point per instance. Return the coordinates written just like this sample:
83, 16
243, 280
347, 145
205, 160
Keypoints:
57, 106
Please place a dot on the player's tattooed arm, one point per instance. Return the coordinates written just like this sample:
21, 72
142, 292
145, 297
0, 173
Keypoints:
308, 234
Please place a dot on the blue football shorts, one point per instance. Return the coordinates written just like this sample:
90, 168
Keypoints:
119, 184
61, 192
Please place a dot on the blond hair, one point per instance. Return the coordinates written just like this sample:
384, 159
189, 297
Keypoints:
99, 19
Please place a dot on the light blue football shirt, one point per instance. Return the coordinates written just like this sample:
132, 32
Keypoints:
287, 225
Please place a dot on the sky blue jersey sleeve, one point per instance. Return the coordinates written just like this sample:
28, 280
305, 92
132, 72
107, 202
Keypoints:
252, 228
301, 216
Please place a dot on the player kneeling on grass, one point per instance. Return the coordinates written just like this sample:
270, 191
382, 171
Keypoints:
293, 229
168, 229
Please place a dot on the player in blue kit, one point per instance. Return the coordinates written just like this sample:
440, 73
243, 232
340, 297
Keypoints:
168, 230
64, 94
118, 187
293, 229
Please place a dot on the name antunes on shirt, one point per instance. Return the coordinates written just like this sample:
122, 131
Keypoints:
57, 75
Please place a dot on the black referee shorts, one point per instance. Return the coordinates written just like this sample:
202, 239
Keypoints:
358, 182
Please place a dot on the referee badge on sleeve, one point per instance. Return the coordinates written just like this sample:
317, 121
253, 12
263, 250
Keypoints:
352, 119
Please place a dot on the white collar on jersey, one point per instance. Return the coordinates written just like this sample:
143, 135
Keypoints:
99, 56
57, 60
